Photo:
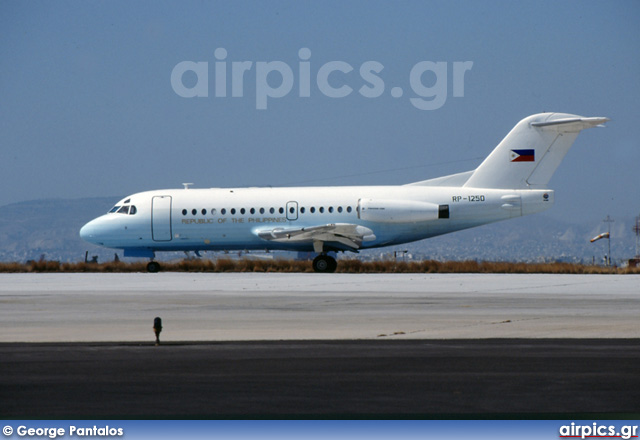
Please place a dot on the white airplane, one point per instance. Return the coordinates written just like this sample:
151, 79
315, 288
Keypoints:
510, 182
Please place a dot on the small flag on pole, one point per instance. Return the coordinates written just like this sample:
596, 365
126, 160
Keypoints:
598, 237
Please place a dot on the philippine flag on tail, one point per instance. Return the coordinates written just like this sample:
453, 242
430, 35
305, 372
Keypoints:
523, 155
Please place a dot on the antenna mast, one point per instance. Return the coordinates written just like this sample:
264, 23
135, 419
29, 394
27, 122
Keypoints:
609, 220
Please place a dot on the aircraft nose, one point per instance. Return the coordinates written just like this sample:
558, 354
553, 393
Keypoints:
90, 232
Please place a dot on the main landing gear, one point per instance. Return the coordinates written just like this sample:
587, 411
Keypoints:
153, 267
324, 264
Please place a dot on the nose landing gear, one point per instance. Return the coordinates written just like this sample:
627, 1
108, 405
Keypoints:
153, 267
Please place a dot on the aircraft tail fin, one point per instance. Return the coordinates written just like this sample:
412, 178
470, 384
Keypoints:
529, 155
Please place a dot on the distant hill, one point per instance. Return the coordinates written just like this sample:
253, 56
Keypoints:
50, 227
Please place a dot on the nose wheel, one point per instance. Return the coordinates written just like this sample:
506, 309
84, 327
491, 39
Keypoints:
324, 264
153, 267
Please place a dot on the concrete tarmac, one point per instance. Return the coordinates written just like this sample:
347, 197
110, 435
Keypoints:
318, 345
277, 306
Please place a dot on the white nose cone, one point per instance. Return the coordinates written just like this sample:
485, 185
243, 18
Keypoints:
89, 233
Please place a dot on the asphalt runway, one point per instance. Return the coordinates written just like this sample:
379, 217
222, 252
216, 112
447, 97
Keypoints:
318, 345
412, 378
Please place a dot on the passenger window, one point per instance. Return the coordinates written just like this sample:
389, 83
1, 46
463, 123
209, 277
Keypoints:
204, 211
261, 210
184, 212
252, 210
330, 208
242, 211
213, 211
348, 208
339, 208
223, 211
281, 210
133, 210
233, 211
321, 209
194, 211
302, 210
271, 210
312, 209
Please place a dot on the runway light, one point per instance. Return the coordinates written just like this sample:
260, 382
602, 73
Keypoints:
157, 328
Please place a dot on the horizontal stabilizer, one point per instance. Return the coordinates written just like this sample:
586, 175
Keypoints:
573, 123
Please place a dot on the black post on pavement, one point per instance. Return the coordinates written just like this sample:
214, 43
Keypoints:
157, 328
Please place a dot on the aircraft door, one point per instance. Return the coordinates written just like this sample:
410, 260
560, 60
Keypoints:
292, 210
161, 218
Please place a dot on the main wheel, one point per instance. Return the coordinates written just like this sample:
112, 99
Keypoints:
153, 267
324, 264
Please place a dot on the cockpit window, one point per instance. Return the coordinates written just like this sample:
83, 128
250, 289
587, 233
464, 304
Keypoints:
127, 201
115, 208
123, 210
133, 210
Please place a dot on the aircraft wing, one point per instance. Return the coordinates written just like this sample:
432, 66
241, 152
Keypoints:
333, 236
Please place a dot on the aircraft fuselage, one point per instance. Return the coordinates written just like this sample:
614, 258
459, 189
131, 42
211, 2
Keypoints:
232, 218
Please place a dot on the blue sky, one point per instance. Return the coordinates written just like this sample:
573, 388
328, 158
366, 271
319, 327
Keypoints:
87, 106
